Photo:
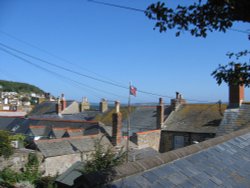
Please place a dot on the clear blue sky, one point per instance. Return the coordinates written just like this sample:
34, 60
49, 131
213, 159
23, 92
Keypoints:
111, 44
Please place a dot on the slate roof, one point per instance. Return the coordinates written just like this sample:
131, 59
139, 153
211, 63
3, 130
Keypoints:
59, 132
143, 118
219, 162
55, 147
47, 107
7, 123
40, 130
12, 113
69, 145
68, 177
85, 115
235, 119
90, 126
195, 118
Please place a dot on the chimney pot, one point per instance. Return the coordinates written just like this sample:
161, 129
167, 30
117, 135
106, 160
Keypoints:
103, 106
160, 114
116, 125
177, 95
117, 106
161, 101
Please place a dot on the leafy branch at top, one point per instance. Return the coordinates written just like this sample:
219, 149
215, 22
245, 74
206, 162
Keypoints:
235, 72
199, 17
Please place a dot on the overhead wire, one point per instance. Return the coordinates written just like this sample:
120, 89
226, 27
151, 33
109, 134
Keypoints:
91, 77
54, 73
116, 5
141, 10
53, 55
78, 73
63, 68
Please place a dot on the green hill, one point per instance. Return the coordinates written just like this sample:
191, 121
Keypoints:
19, 87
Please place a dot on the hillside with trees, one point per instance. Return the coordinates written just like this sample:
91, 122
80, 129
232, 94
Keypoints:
19, 87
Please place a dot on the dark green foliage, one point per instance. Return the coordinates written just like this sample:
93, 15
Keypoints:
6, 149
8, 177
235, 72
103, 160
30, 174
19, 87
46, 182
199, 17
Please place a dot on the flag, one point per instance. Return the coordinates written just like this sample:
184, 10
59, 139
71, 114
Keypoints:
133, 90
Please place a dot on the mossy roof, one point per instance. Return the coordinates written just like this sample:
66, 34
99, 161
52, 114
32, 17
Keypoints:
197, 118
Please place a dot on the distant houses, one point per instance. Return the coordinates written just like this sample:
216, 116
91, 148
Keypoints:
64, 131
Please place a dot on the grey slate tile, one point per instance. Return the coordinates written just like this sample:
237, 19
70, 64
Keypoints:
163, 172
166, 183
209, 184
216, 180
151, 177
187, 184
177, 178
202, 177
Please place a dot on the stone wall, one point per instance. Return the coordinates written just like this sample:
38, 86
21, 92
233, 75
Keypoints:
48, 166
167, 139
59, 164
148, 139
18, 160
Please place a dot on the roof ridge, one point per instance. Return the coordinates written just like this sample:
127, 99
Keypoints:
63, 120
132, 168
66, 138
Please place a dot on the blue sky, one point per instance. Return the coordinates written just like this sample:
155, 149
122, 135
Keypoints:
111, 44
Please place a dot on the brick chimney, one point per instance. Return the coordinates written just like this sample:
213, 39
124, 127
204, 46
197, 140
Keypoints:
84, 104
103, 106
58, 106
236, 93
116, 125
63, 102
175, 103
160, 114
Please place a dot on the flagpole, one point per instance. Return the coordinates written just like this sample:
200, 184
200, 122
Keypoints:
128, 124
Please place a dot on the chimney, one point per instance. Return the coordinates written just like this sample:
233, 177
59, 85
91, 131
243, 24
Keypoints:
103, 106
175, 103
160, 114
85, 104
236, 92
63, 102
58, 106
116, 125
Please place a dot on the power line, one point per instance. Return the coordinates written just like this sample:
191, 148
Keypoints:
75, 72
54, 73
141, 10
63, 68
84, 75
53, 55
116, 6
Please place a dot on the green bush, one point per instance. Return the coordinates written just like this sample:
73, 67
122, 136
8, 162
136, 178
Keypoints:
31, 174
6, 149
104, 159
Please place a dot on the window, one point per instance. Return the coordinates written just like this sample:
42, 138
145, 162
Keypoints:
178, 142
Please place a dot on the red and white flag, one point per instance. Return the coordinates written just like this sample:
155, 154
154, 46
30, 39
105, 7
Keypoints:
133, 90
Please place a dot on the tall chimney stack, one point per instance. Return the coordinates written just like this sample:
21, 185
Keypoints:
63, 102
160, 114
58, 106
116, 125
177, 101
84, 104
236, 92
103, 106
